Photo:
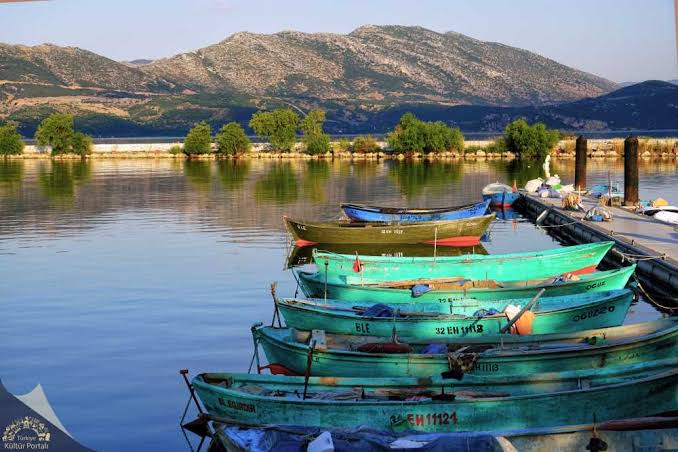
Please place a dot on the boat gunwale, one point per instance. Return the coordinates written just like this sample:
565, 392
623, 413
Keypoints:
405, 210
338, 224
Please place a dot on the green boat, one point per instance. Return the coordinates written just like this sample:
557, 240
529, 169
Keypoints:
477, 403
340, 355
452, 290
500, 267
462, 232
429, 321
302, 255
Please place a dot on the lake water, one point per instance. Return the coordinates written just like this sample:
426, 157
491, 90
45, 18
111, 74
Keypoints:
117, 273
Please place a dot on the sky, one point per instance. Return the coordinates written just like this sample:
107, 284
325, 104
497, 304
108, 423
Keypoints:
622, 40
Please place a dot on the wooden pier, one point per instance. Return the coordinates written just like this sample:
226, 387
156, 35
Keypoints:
638, 238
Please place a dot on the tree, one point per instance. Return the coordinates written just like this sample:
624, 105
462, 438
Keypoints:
530, 142
56, 131
231, 140
315, 140
279, 127
10, 140
199, 140
414, 135
365, 144
81, 144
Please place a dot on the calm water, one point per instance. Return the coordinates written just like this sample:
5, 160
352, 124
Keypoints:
116, 274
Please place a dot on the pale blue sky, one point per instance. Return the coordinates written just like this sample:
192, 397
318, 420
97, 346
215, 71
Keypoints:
623, 40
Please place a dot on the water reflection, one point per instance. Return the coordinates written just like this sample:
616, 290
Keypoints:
60, 181
11, 175
316, 175
199, 174
278, 185
412, 178
232, 173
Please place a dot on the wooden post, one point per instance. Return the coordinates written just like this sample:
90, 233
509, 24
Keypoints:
580, 163
631, 171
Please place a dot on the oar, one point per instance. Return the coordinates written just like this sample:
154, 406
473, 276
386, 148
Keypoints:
527, 307
309, 361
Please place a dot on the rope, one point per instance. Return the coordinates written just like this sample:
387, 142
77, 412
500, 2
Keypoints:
653, 301
558, 225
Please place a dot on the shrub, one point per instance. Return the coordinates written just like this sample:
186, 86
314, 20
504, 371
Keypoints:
498, 146
56, 131
414, 135
10, 140
231, 140
343, 145
365, 144
530, 142
81, 144
199, 140
279, 127
315, 140
175, 149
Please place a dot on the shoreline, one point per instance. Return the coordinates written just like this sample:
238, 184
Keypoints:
650, 148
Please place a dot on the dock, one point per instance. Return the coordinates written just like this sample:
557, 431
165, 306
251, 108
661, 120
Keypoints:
638, 238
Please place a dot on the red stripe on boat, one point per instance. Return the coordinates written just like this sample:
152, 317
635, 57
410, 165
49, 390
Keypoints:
499, 204
585, 270
467, 240
304, 243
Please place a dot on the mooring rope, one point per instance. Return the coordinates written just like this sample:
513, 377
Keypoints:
653, 301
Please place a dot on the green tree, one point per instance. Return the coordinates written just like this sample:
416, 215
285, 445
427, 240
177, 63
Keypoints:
315, 140
530, 142
231, 140
279, 127
365, 144
408, 136
439, 137
199, 140
56, 131
81, 144
10, 140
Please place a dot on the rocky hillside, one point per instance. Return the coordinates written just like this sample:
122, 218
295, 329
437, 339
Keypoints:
358, 78
382, 64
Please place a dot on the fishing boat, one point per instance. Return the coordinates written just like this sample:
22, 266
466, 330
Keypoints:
429, 321
506, 355
579, 259
448, 290
302, 255
365, 213
500, 195
477, 403
462, 232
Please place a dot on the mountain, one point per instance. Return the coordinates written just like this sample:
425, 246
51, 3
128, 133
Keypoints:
648, 105
360, 79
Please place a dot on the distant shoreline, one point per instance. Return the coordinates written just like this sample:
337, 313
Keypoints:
665, 148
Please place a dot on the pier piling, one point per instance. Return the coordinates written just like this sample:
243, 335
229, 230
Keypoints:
580, 163
631, 171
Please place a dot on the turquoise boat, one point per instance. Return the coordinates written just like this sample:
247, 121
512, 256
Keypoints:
477, 403
340, 355
449, 291
466, 318
501, 267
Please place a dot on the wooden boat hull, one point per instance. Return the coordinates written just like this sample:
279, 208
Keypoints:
551, 315
503, 199
463, 232
543, 353
479, 403
313, 285
501, 267
358, 212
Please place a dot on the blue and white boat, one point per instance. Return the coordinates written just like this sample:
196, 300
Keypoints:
500, 195
375, 214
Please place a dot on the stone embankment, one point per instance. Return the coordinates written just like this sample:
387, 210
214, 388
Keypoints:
664, 148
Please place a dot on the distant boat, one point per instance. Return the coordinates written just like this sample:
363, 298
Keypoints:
667, 217
361, 212
462, 232
500, 195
